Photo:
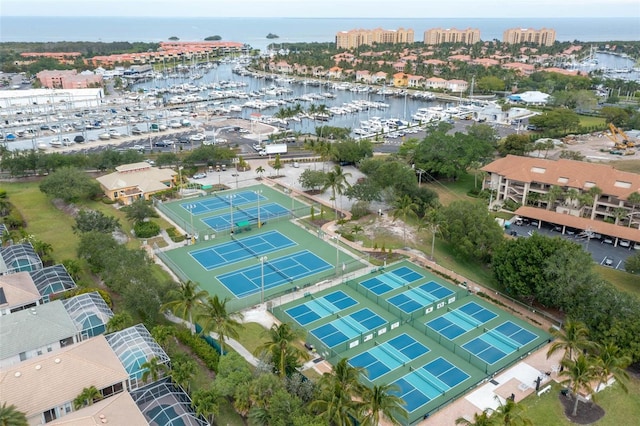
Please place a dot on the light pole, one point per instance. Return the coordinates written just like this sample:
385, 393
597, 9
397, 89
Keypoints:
258, 192
191, 207
262, 260
337, 253
420, 172
230, 197
180, 180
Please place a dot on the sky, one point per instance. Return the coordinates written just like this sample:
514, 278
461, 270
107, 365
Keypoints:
326, 8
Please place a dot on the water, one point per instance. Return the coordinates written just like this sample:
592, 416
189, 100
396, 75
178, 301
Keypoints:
254, 30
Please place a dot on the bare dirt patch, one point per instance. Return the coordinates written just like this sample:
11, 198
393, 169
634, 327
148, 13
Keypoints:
588, 412
594, 147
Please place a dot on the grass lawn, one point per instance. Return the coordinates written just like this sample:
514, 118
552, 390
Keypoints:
252, 336
632, 166
589, 121
619, 407
623, 281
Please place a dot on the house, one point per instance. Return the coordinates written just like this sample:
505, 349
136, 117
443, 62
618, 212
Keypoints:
363, 76
18, 292
335, 72
400, 79
457, 85
35, 331
379, 77
528, 181
131, 182
45, 387
436, 83
415, 81
120, 409
531, 97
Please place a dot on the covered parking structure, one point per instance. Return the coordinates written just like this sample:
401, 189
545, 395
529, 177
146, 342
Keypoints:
581, 224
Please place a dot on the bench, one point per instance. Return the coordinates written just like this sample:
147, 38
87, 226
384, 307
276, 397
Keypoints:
544, 390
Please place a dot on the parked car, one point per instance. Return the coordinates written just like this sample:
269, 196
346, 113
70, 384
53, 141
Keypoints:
625, 243
78, 139
608, 261
607, 240
163, 143
200, 176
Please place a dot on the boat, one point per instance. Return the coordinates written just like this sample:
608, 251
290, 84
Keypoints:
104, 136
56, 143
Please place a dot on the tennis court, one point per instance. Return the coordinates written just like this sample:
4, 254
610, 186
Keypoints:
495, 344
419, 297
221, 202
275, 272
267, 212
429, 382
391, 280
344, 328
388, 356
321, 307
458, 321
240, 249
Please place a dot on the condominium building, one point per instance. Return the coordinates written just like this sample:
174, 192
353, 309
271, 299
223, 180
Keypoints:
451, 35
355, 38
572, 194
542, 37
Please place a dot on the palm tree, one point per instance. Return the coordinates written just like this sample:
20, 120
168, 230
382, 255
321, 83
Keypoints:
205, 402
634, 199
510, 413
152, 368
335, 403
183, 370
87, 397
611, 363
119, 321
550, 197
580, 373
213, 317
481, 419
380, 402
619, 213
356, 229
260, 170
404, 207
280, 345
573, 339
431, 220
10, 416
570, 196
185, 301
595, 192
337, 181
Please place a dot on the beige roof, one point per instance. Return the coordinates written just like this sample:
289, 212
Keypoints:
119, 409
55, 378
567, 173
581, 223
146, 178
19, 289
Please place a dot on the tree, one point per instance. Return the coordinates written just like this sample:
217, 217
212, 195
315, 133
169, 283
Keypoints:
510, 413
336, 180
352, 151
93, 220
471, 229
213, 317
185, 301
634, 200
277, 164
312, 179
281, 346
431, 220
182, 370
380, 402
87, 397
515, 144
152, 369
206, 403
139, 210
632, 263
10, 416
260, 170
579, 374
611, 362
404, 207
489, 84
119, 321
573, 340
70, 185
560, 119
481, 419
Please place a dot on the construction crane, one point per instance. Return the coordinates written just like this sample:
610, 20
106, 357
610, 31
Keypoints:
619, 138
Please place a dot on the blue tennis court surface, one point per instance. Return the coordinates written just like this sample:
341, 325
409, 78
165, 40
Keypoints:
321, 307
499, 342
342, 329
267, 212
391, 280
458, 321
276, 272
388, 356
240, 249
428, 382
418, 297
219, 202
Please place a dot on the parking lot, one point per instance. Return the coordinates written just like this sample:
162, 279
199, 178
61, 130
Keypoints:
601, 249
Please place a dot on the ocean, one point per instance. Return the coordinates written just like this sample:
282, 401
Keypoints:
253, 31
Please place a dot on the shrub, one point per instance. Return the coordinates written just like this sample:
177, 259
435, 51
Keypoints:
359, 209
175, 236
146, 229
200, 347
107, 200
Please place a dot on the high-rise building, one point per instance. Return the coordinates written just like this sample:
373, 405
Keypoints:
542, 37
451, 35
356, 38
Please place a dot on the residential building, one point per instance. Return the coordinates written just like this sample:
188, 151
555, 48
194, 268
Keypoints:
590, 196
45, 387
68, 79
131, 182
355, 38
120, 409
18, 292
542, 37
35, 331
451, 35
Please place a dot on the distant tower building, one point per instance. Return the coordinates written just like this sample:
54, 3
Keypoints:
355, 38
542, 37
451, 35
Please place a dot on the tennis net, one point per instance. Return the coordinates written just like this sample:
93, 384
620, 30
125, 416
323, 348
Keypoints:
466, 318
433, 382
352, 324
325, 304
504, 339
244, 246
278, 271
250, 216
391, 354
226, 201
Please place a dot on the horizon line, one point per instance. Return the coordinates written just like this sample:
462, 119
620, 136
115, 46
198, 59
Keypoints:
317, 17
